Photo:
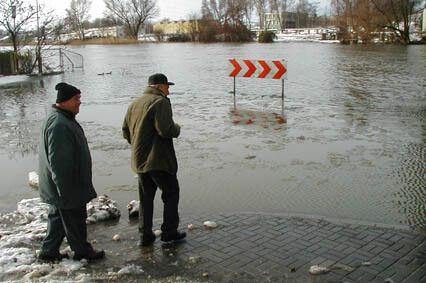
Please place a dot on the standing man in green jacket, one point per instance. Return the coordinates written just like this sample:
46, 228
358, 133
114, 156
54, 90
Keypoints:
149, 128
65, 178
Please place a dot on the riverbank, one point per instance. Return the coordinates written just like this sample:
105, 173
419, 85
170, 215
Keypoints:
152, 39
243, 247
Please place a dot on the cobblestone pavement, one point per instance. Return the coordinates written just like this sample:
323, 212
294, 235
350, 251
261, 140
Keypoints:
268, 248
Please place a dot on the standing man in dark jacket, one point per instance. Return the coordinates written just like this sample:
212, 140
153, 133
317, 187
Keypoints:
65, 178
150, 129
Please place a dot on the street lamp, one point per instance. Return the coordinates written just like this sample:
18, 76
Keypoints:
13, 11
14, 25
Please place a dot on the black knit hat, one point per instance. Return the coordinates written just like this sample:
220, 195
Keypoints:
65, 92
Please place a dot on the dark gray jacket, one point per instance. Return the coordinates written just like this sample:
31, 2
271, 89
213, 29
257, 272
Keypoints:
65, 164
150, 129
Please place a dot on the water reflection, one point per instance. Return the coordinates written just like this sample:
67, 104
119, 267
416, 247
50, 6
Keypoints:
20, 115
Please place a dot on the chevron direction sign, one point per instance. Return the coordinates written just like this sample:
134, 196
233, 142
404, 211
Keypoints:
258, 69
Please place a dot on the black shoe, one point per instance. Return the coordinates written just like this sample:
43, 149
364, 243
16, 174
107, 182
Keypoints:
92, 255
176, 236
51, 258
146, 240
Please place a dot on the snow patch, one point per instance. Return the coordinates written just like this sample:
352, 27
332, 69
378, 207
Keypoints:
21, 233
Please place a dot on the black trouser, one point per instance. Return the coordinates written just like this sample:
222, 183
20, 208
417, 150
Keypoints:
169, 186
70, 223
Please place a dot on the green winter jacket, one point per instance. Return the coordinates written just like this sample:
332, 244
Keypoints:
65, 164
149, 127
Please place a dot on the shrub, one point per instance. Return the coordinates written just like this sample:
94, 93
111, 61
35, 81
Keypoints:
267, 36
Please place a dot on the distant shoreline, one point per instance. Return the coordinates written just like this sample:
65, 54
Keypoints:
125, 41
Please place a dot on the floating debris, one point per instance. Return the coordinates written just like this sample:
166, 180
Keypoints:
250, 157
190, 227
366, 263
133, 208
210, 224
316, 269
157, 233
116, 237
33, 179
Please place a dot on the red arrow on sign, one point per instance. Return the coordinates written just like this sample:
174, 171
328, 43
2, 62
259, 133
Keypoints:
236, 66
281, 69
266, 69
251, 70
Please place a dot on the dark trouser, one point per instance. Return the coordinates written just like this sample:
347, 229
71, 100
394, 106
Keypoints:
169, 186
70, 223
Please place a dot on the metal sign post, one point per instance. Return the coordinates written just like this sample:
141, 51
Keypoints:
282, 99
235, 102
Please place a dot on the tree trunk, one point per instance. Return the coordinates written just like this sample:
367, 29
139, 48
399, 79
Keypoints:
15, 52
40, 61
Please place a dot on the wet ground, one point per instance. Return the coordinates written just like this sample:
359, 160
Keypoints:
245, 247
266, 248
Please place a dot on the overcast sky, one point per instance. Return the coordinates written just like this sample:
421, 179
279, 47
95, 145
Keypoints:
172, 9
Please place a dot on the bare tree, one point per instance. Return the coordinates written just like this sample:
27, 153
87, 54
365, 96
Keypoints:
235, 20
45, 27
261, 6
16, 16
193, 27
78, 15
398, 15
248, 11
280, 8
133, 13
230, 16
305, 10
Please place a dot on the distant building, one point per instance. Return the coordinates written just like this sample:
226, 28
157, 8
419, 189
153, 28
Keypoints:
272, 21
177, 27
115, 31
424, 22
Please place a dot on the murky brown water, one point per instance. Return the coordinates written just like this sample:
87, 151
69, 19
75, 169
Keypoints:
353, 146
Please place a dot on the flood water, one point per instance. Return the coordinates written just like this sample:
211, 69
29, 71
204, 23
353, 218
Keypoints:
353, 146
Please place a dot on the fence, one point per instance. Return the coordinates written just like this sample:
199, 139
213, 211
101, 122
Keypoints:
55, 60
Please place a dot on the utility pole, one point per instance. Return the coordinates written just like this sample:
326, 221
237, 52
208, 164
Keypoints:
15, 55
38, 48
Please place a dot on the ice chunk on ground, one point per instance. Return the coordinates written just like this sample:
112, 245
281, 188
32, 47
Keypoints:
101, 209
130, 270
316, 269
133, 208
210, 224
33, 179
